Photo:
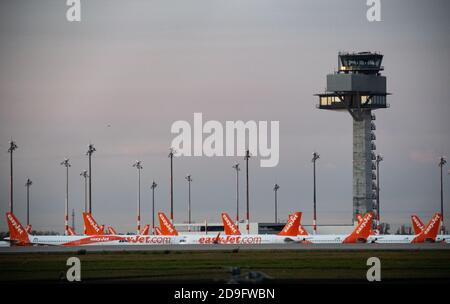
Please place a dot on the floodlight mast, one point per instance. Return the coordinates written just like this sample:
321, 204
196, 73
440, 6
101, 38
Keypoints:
171, 154
73, 219
91, 150
189, 180
442, 163
85, 175
153, 186
236, 167
28, 185
247, 157
275, 189
66, 164
316, 156
12, 147
138, 166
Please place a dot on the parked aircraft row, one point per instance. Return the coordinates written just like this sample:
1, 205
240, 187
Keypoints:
292, 232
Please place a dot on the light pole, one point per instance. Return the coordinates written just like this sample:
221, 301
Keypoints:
73, 219
275, 189
247, 157
91, 150
138, 166
442, 162
171, 154
189, 179
85, 175
153, 186
28, 185
378, 160
12, 147
316, 156
449, 175
66, 164
236, 167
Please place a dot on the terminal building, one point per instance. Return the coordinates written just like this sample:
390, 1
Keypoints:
258, 228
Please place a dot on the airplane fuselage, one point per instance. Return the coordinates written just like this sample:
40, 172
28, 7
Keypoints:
86, 240
245, 239
324, 238
96, 240
402, 239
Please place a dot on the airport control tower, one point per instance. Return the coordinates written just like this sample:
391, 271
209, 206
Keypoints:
358, 88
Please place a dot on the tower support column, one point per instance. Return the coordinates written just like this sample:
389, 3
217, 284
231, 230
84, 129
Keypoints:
362, 164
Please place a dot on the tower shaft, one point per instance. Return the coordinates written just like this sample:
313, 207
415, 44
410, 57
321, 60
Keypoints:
362, 164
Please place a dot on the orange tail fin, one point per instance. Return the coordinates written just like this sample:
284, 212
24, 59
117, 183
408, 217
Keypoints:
92, 228
145, 230
301, 229
229, 227
28, 228
362, 230
70, 231
158, 231
359, 217
111, 230
417, 224
166, 226
16, 231
430, 232
291, 227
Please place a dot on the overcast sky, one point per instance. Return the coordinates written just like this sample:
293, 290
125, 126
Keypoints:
129, 69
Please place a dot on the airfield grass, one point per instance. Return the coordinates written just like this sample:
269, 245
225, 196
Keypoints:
207, 266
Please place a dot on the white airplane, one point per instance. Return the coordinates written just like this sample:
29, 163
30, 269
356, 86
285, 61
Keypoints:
427, 234
19, 236
233, 235
359, 235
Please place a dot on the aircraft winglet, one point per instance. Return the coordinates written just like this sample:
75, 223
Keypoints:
111, 230
145, 230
